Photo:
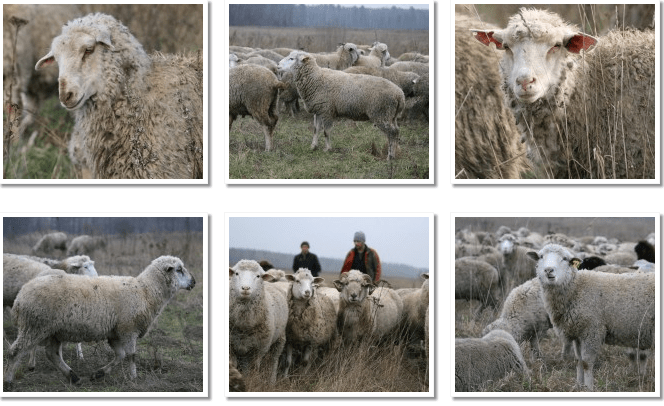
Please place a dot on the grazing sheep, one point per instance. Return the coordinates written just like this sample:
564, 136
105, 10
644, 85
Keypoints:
376, 57
85, 245
137, 116
591, 308
365, 310
415, 305
581, 115
331, 94
60, 308
345, 57
258, 314
486, 139
254, 91
312, 318
477, 280
523, 316
405, 80
479, 361
645, 250
49, 243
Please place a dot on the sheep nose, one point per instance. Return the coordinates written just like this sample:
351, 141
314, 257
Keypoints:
307, 293
353, 295
525, 81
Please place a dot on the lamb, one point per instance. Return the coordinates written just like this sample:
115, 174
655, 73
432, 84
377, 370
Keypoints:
254, 91
258, 314
137, 116
415, 305
312, 318
85, 245
405, 80
376, 58
50, 242
573, 108
365, 311
477, 280
345, 57
478, 361
591, 308
117, 308
486, 139
331, 94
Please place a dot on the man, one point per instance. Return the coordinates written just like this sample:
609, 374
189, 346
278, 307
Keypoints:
307, 260
363, 258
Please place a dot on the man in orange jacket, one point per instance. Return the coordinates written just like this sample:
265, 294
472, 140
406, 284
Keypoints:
363, 258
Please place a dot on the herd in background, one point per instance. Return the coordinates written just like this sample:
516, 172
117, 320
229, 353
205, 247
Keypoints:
591, 290
272, 314
551, 102
355, 82
54, 301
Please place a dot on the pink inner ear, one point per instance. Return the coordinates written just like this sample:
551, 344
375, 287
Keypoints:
580, 42
487, 38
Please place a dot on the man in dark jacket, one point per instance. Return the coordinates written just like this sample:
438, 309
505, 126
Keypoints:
363, 258
307, 260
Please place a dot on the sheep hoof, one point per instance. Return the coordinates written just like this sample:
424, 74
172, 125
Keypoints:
314, 147
97, 375
31, 368
74, 379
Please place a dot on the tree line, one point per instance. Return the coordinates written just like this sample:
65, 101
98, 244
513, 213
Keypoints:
14, 226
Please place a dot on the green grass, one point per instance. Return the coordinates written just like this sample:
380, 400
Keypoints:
358, 151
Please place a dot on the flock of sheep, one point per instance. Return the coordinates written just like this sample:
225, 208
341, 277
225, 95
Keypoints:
548, 101
137, 115
273, 314
590, 290
57, 301
355, 82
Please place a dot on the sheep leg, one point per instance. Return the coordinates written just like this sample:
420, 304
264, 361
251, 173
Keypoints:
54, 354
392, 133
120, 353
32, 362
306, 357
269, 134
288, 359
326, 124
79, 351
24, 343
317, 125
274, 355
585, 363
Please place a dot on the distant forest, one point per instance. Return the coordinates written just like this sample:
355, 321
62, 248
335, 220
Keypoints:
328, 15
14, 226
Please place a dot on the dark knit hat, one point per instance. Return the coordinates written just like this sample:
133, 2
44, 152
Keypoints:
359, 236
304, 243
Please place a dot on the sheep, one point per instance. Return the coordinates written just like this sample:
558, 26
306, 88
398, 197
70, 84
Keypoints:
624, 258
277, 274
405, 80
376, 58
283, 52
477, 280
419, 104
267, 54
331, 293
258, 314
592, 262
50, 242
645, 250
591, 308
523, 316
58, 308
330, 94
417, 67
414, 57
517, 266
573, 108
261, 61
365, 311
289, 96
486, 139
312, 318
85, 245
254, 91
345, 57
137, 116
415, 305
478, 361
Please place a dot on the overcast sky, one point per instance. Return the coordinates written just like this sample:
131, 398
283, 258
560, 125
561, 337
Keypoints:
396, 239
415, 6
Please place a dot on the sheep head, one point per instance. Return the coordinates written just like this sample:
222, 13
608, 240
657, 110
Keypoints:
354, 286
538, 45
556, 265
246, 279
507, 243
303, 284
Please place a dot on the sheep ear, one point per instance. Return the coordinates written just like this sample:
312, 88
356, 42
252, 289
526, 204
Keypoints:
268, 278
487, 37
533, 255
372, 287
230, 272
45, 61
318, 279
338, 285
290, 278
575, 262
105, 38
580, 42
425, 275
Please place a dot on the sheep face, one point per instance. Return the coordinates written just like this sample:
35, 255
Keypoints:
507, 243
555, 265
79, 56
86, 268
289, 62
303, 284
537, 45
246, 279
354, 286
351, 49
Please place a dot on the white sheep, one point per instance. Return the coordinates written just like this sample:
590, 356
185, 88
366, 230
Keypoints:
517, 265
585, 106
138, 116
51, 242
332, 94
364, 310
85, 245
345, 57
479, 361
312, 318
377, 56
415, 305
592, 308
477, 280
405, 80
120, 309
258, 314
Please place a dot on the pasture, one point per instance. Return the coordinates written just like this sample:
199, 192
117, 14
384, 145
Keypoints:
169, 357
613, 371
391, 366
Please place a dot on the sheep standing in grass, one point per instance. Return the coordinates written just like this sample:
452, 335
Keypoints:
585, 106
312, 318
331, 94
415, 305
345, 57
364, 310
137, 116
85, 245
486, 139
376, 58
479, 361
592, 308
49, 243
517, 267
120, 309
254, 91
405, 80
477, 280
258, 314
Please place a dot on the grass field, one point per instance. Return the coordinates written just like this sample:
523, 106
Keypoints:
169, 358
